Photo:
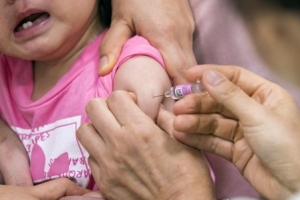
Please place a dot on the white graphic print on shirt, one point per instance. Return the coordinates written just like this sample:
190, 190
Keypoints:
55, 152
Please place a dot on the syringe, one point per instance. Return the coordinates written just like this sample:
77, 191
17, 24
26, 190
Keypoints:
179, 91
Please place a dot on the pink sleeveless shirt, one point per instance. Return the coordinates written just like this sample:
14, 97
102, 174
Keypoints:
47, 126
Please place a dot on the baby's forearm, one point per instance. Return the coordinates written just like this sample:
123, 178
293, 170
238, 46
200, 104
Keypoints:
14, 161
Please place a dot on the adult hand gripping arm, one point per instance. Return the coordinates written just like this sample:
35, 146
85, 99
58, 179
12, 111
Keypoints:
132, 158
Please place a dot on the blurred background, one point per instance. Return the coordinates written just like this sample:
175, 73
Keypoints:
262, 36
275, 28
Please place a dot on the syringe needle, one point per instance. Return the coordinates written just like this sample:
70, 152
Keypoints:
159, 96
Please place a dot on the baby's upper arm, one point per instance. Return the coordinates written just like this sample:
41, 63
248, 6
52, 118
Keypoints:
146, 78
14, 161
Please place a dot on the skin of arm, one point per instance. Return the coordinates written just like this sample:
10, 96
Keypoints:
51, 190
146, 78
14, 164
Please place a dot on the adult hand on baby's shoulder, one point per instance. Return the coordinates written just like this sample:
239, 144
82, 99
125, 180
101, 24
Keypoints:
168, 25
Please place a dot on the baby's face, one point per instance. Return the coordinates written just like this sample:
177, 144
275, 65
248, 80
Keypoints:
43, 29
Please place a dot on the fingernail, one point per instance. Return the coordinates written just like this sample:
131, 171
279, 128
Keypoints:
213, 77
103, 62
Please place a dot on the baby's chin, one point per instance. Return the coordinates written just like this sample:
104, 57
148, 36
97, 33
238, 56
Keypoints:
39, 56
25, 54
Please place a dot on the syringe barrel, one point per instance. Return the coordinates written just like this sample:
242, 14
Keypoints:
198, 88
180, 91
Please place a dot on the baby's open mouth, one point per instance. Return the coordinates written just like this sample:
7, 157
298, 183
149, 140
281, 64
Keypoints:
31, 20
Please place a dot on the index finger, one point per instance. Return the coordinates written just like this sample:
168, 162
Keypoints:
125, 109
195, 103
246, 80
102, 118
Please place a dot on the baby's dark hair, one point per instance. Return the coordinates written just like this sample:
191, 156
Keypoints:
105, 10
288, 4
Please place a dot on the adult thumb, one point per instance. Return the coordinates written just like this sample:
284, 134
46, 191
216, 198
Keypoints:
232, 97
112, 44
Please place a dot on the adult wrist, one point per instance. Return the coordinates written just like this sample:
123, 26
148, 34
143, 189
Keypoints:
188, 189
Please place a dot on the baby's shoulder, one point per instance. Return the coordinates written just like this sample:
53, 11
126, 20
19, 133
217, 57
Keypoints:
137, 41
